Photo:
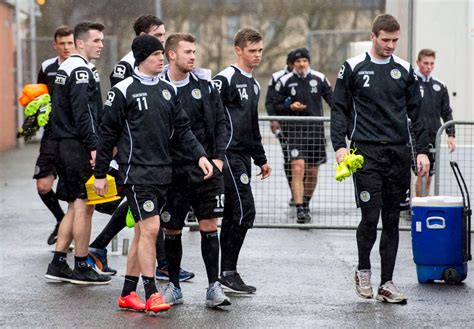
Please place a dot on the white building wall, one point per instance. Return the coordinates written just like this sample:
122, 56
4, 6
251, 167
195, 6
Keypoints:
446, 26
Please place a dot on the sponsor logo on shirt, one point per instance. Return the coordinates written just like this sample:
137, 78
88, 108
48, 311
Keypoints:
110, 98
218, 84
60, 79
340, 75
82, 77
119, 71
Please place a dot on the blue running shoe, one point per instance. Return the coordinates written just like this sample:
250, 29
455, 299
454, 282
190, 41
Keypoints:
162, 274
99, 256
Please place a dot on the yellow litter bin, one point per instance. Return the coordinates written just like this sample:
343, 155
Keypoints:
111, 195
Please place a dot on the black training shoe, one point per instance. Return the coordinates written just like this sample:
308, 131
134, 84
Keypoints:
89, 276
300, 215
307, 215
53, 237
59, 272
234, 283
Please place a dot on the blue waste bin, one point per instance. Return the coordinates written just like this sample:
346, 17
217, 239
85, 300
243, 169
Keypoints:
438, 238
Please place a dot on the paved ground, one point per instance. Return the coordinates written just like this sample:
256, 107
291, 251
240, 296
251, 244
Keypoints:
302, 276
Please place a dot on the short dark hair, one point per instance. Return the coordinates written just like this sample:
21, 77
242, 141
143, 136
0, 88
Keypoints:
244, 36
144, 24
173, 40
385, 22
63, 31
84, 27
426, 53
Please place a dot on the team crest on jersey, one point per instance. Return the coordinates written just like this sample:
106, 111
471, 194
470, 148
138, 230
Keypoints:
396, 74
148, 206
244, 178
293, 91
196, 93
110, 98
165, 216
365, 196
60, 79
340, 75
82, 77
436, 87
255, 89
313, 83
166, 95
96, 76
294, 153
119, 71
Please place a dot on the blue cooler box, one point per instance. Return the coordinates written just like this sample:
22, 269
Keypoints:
437, 234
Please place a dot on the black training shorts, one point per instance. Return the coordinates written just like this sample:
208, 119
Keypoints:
146, 200
74, 170
48, 155
384, 179
205, 196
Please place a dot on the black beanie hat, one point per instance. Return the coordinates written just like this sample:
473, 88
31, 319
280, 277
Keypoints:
300, 53
143, 46
289, 58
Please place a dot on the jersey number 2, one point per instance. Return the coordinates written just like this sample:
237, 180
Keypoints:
366, 80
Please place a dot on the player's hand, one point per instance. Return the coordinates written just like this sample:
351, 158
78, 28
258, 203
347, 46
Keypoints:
265, 171
100, 186
297, 106
340, 154
93, 153
206, 167
274, 126
451, 144
219, 164
423, 164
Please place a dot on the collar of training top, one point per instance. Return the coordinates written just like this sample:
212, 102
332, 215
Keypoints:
146, 79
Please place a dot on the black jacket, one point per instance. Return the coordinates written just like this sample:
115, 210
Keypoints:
76, 102
203, 106
435, 105
141, 115
240, 92
372, 100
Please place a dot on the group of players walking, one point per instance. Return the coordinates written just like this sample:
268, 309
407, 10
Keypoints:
174, 138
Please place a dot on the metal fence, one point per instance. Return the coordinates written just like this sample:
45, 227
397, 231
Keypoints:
332, 204
444, 180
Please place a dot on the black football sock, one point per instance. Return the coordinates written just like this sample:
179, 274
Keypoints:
160, 248
174, 253
149, 285
51, 201
210, 254
59, 258
129, 285
80, 263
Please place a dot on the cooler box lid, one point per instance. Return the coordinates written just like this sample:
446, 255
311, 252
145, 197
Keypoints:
437, 201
